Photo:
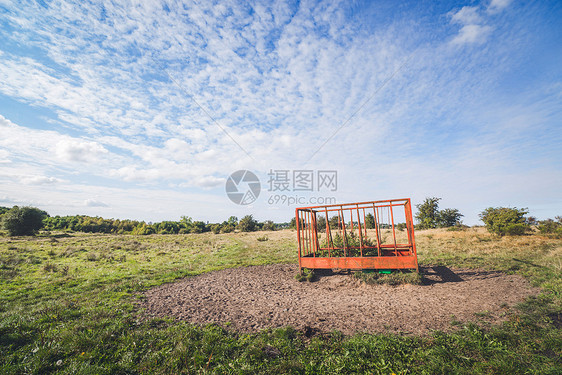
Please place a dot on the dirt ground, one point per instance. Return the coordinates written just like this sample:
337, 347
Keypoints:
249, 299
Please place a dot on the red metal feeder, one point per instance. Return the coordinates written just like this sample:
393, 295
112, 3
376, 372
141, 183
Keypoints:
376, 235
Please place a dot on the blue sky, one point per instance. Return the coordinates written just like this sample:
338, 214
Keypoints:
142, 109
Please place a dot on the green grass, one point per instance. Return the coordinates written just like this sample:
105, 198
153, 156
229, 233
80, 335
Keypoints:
394, 278
68, 305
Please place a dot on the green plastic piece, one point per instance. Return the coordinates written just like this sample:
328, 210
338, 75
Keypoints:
386, 272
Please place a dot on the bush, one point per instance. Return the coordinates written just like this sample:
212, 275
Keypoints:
293, 223
143, 230
228, 228
517, 229
429, 215
370, 221
198, 227
449, 217
550, 226
23, 221
248, 224
305, 274
216, 228
505, 220
268, 225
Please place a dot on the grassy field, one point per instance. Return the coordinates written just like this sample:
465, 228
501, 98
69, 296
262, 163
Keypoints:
67, 305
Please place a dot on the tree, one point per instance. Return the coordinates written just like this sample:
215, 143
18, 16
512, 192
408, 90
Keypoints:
293, 223
334, 222
449, 217
320, 223
216, 228
23, 221
227, 228
268, 225
370, 221
505, 220
248, 224
198, 227
549, 226
3, 210
428, 213
531, 220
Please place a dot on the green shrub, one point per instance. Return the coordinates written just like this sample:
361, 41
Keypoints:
227, 228
143, 229
549, 226
394, 278
23, 221
517, 229
429, 215
505, 220
306, 274
268, 225
248, 224
198, 227
370, 221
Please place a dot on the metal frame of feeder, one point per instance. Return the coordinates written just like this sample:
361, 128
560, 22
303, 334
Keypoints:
348, 244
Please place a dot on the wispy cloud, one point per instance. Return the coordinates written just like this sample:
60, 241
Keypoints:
79, 151
498, 5
94, 203
39, 180
473, 21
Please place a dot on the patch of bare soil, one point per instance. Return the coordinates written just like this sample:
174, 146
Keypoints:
253, 298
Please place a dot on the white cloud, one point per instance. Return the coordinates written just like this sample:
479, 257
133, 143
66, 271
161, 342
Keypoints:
498, 5
467, 15
79, 151
4, 159
472, 34
95, 203
39, 180
474, 28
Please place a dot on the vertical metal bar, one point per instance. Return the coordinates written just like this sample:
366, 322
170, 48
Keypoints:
308, 241
345, 252
305, 233
409, 229
298, 237
377, 233
328, 233
339, 222
393, 230
360, 231
365, 222
413, 236
303, 226
314, 233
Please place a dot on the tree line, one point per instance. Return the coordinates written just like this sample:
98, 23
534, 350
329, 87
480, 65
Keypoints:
498, 220
19, 221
